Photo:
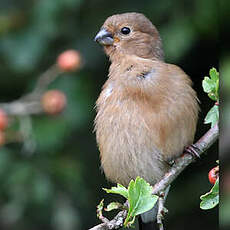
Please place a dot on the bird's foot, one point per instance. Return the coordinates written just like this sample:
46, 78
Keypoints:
193, 150
171, 162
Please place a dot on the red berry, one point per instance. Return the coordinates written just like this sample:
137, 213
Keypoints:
213, 175
69, 60
2, 138
3, 120
53, 102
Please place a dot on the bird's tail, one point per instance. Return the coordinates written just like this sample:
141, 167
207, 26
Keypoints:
147, 226
148, 220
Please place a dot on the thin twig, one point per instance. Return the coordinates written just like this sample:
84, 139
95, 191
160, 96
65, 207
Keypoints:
29, 144
160, 213
30, 103
204, 143
45, 79
100, 227
115, 223
22, 108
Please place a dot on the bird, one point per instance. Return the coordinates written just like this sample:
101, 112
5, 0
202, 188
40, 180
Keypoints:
147, 111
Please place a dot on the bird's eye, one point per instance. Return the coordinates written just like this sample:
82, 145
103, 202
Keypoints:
125, 30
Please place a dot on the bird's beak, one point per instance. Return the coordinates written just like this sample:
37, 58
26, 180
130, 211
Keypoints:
104, 37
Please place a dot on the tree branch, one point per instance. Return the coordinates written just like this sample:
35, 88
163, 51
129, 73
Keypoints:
182, 162
115, 223
203, 144
30, 103
160, 213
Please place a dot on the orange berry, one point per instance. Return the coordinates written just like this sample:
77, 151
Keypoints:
69, 60
53, 102
2, 138
3, 120
213, 175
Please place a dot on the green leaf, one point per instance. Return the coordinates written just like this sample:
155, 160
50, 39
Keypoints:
139, 195
140, 199
211, 85
214, 74
113, 206
100, 208
212, 96
208, 85
210, 199
120, 189
212, 116
215, 188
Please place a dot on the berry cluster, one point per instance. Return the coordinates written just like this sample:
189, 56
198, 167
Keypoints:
53, 101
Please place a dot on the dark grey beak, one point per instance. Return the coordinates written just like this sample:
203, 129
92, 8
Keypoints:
104, 37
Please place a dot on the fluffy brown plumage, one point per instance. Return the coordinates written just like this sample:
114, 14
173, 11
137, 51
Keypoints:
147, 110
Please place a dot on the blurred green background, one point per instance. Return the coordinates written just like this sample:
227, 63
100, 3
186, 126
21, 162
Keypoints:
58, 185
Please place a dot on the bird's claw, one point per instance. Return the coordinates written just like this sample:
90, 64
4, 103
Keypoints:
193, 150
171, 162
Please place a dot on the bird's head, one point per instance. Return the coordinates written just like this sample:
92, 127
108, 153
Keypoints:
130, 34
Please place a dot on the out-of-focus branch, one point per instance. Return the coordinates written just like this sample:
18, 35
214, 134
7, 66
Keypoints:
30, 103
46, 78
203, 144
39, 100
21, 107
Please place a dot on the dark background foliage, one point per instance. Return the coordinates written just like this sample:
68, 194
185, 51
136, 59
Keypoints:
58, 185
